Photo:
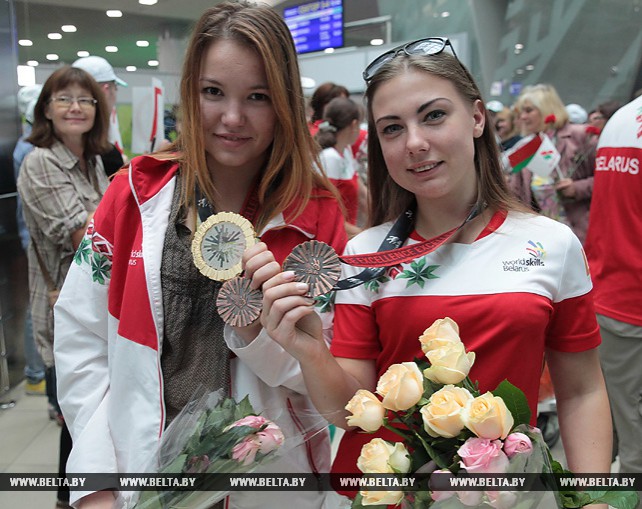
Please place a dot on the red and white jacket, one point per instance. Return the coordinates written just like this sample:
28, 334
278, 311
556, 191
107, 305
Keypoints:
109, 331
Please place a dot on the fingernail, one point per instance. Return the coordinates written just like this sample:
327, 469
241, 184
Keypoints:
289, 274
302, 286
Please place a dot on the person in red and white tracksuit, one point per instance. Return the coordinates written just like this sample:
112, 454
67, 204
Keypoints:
137, 331
613, 251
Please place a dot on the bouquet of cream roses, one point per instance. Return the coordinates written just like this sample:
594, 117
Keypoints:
211, 435
450, 429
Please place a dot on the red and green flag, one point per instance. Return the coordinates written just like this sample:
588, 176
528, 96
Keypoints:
537, 153
522, 154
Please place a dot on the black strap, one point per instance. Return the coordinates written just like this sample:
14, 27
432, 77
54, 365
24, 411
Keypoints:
395, 238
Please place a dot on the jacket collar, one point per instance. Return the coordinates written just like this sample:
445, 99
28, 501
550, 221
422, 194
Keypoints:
149, 175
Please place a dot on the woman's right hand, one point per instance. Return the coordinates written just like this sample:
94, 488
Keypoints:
289, 317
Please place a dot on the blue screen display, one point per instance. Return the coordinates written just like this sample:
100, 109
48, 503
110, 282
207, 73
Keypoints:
316, 26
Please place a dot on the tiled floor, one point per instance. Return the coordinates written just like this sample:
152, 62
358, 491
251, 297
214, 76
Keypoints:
28, 443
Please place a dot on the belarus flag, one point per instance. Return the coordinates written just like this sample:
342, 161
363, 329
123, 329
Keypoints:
535, 152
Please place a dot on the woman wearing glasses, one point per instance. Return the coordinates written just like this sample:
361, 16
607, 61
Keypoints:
516, 283
61, 182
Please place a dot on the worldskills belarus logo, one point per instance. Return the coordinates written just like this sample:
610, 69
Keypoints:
536, 250
535, 258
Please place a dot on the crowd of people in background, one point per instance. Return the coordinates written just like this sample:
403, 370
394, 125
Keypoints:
241, 141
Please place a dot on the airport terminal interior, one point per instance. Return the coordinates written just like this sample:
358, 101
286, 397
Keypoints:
589, 50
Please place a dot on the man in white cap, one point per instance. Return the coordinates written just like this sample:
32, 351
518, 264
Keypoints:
576, 114
104, 74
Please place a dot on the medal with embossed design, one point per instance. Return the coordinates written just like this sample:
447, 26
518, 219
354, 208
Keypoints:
237, 303
316, 264
219, 243
217, 248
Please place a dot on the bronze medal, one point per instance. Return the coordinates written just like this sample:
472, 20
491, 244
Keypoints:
316, 264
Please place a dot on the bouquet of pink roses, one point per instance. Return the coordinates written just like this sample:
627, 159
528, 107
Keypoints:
449, 429
211, 435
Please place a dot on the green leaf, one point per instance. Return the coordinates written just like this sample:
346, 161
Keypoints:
574, 499
243, 409
150, 500
176, 466
616, 499
515, 401
195, 437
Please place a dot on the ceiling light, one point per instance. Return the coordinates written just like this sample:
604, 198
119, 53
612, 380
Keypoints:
52, 56
147, 2
114, 13
32, 63
25, 42
152, 63
68, 28
530, 67
519, 46
445, 14
83, 53
308, 82
142, 44
54, 36
328, 50
376, 42
111, 49
519, 71
130, 68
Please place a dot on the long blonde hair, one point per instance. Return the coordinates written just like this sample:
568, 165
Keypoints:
288, 177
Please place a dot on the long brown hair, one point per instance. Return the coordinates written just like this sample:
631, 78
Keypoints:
389, 199
339, 113
43, 135
323, 95
288, 177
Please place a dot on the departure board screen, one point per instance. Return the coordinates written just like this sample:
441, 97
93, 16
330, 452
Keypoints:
316, 26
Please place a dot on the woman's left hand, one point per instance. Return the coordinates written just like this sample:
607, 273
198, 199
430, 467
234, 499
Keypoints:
566, 188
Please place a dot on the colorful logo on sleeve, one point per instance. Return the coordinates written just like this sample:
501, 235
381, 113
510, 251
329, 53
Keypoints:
536, 254
536, 250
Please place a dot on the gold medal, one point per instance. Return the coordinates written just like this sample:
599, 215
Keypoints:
219, 244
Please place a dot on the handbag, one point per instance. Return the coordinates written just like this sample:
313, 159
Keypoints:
52, 291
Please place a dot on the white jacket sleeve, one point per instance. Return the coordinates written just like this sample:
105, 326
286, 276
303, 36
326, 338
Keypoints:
81, 359
268, 360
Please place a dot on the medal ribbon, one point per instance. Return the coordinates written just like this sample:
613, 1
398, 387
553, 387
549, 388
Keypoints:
249, 210
391, 253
